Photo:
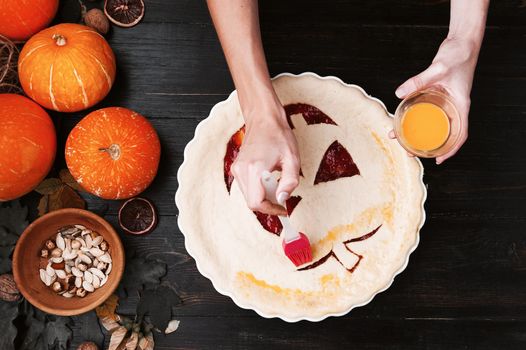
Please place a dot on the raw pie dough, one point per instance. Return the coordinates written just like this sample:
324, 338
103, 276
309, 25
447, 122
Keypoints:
362, 215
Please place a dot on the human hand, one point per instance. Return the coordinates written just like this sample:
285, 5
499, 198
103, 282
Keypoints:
269, 144
452, 69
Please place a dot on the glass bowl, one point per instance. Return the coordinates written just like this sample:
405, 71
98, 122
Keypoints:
440, 98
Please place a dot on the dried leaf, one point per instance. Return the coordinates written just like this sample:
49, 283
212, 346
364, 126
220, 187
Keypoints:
57, 333
140, 272
146, 343
49, 186
89, 329
34, 322
117, 338
13, 216
43, 205
157, 303
68, 179
172, 326
65, 197
7, 244
9, 312
107, 309
109, 324
132, 341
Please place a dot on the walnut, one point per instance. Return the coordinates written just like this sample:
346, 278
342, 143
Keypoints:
97, 20
8, 289
88, 345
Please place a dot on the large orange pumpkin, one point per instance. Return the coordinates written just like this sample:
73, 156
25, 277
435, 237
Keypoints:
113, 153
67, 68
20, 19
27, 145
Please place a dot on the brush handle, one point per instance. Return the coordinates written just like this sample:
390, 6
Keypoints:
270, 184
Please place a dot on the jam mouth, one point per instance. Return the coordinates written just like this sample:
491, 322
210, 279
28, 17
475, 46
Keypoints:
332, 254
336, 163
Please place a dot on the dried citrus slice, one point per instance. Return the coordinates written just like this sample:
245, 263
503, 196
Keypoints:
137, 216
124, 13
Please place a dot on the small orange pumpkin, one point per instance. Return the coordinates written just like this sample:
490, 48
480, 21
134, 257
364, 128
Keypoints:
19, 19
113, 153
67, 67
27, 145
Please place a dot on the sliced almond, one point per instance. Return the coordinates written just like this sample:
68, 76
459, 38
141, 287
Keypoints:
76, 272
105, 258
103, 281
97, 272
67, 295
50, 271
88, 277
85, 259
97, 240
61, 274
87, 286
78, 282
95, 282
89, 241
80, 227
108, 270
43, 276
60, 242
57, 260
96, 252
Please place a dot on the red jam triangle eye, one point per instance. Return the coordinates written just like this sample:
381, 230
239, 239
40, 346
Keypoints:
311, 114
271, 223
232, 149
336, 163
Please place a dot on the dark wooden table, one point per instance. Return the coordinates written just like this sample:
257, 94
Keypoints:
465, 286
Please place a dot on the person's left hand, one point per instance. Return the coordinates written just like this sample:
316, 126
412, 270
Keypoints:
452, 69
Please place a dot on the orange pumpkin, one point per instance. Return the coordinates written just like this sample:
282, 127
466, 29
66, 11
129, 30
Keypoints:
67, 68
20, 19
113, 153
27, 145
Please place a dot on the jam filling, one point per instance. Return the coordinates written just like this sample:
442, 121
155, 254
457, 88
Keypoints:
311, 114
336, 163
271, 223
333, 254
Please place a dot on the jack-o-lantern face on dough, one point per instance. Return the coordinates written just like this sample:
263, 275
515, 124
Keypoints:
329, 238
359, 202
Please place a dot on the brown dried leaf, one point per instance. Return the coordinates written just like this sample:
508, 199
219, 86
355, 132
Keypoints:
69, 180
132, 341
49, 186
118, 338
109, 324
107, 309
43, 205
146, 343
65, 197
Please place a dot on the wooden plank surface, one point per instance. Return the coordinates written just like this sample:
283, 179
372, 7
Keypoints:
466, 282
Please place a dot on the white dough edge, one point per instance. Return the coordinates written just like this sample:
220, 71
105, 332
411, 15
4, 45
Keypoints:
183, 216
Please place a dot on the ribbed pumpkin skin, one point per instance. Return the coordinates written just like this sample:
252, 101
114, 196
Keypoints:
67, 67
27, 145
20, 19
128, 172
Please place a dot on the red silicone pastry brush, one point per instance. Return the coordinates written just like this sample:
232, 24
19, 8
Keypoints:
295, 244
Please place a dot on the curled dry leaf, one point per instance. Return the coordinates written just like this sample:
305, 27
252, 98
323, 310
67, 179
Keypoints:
43, 205
106, 313
49, 186
146, 343
68, 179
65, 197
132, 341
118, 337
172, 326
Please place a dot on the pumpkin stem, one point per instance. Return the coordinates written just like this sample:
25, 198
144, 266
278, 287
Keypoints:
59, 39
114, 151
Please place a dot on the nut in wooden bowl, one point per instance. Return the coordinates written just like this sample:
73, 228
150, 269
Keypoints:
38, 249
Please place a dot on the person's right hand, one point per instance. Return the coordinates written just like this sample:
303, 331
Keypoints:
269, 144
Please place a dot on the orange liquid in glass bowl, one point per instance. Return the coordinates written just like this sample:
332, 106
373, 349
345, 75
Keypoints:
425, 126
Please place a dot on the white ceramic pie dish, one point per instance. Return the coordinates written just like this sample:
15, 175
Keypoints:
185, 226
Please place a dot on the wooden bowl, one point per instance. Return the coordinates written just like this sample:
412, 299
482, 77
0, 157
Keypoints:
27, 261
